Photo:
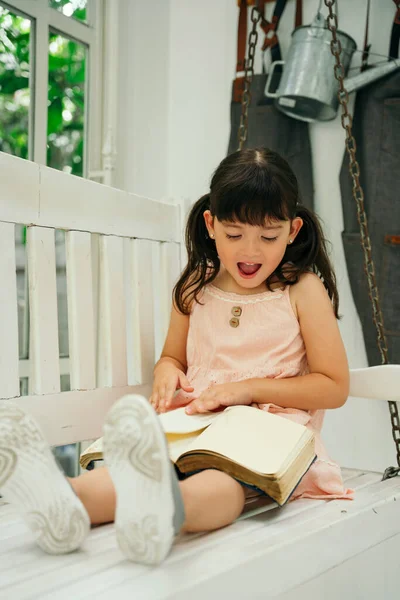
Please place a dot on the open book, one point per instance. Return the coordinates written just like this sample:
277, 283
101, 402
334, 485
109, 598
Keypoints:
257, 448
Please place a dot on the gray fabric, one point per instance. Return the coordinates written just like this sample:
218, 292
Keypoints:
376, 128
179, 515
271, 128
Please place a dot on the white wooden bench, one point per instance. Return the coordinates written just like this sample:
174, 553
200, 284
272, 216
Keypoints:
122, 252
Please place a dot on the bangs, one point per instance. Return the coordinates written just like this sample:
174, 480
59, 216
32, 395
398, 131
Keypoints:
254, 201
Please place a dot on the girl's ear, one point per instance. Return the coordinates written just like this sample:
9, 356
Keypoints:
209, 220
295, 227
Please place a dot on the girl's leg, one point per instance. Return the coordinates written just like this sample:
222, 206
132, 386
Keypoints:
96, 491
211, 498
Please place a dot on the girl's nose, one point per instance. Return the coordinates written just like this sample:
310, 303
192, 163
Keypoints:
252, 251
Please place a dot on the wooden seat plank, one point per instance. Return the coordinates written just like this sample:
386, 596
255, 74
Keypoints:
99, 567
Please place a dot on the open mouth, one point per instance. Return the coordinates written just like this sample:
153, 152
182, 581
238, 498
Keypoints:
248, 270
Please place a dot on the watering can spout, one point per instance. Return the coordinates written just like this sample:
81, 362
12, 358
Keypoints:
356, 82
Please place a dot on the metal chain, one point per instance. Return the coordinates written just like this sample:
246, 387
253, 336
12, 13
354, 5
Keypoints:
358, 196
248, 77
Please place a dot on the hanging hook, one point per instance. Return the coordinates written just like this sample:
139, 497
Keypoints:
319, 19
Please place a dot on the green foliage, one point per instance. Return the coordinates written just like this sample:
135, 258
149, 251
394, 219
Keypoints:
66, 92
14, 84
65, 121
78, 6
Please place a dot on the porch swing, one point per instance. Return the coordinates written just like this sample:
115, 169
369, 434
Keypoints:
308, 549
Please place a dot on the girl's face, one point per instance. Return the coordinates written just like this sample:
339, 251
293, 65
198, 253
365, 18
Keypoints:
250, 254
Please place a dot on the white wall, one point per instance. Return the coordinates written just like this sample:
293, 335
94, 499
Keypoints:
177, 61
143, 143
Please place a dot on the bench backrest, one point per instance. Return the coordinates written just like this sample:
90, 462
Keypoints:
122, 259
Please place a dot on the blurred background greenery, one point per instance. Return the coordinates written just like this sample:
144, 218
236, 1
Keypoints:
66, 89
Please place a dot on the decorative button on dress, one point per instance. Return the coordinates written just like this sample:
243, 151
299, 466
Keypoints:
233, 337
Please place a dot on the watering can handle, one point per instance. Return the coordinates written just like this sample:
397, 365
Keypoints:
269, 79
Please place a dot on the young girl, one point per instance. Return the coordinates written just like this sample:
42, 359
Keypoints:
253, 322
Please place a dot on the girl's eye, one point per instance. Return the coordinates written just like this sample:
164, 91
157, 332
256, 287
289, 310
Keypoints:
270, 239
233, 237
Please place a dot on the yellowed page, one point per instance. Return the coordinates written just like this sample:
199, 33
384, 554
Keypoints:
96, 446
254, 438
177, 421
179, 443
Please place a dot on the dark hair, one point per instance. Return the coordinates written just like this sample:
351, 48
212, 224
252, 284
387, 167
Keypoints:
250, 186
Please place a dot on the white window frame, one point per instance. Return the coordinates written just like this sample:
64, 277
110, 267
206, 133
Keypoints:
101, 89
46, 19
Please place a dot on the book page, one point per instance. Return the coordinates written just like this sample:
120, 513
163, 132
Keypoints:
256, 439
177, 421
179, 443
96, 446
179, 428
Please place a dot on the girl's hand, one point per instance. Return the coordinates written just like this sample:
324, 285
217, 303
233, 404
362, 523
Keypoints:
220, 396
167, 379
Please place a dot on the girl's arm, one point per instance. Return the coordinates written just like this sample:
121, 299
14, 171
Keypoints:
170, 370
174, 350
327, 384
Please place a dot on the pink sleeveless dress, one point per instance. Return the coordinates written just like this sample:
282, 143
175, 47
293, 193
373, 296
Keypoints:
233, 337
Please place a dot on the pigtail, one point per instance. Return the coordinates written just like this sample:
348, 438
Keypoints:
309, 252
203, 263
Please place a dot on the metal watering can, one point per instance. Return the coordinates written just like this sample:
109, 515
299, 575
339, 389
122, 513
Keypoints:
308, 89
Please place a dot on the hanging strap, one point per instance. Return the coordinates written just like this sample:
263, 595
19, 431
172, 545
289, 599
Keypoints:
395, 37
298, 20
242, 37
271, 42
367, 46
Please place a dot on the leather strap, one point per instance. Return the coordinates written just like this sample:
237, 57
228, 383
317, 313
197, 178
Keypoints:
267, 26
242, 36
271, 42
298, 22
367, 46
395, 36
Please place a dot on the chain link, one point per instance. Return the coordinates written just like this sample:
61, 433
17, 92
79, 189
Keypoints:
248, 77
358, 196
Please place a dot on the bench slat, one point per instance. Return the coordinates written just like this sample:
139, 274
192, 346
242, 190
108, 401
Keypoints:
9, 378
166, 269
170, 270
112, 361
378, 383
140, 302
44, 349
80, 310
43, 196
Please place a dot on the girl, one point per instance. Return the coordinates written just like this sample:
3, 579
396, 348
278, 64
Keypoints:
253, 322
